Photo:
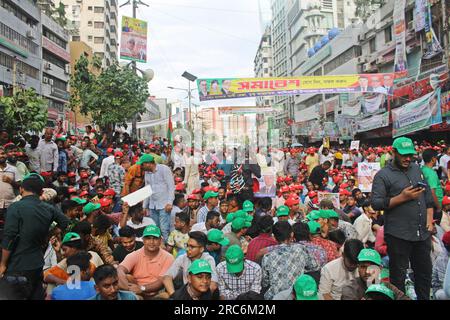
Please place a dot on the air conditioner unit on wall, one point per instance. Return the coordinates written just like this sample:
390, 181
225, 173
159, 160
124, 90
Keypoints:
367, 67
51, 81
31, 34
45, 80
67, 69
362, 59
47, 66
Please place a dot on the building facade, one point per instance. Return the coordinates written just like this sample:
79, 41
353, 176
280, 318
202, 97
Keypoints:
264, 64
95, 22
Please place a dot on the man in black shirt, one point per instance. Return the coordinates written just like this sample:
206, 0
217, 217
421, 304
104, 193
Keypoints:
128, 243
26, 230
198, 286
402, 192
318, 174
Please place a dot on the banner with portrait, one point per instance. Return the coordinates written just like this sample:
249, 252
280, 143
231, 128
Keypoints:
366, 174
433, 47
419, 14
228, 88
267, 183
418, 114
373, 122
133, 42
333, 197
373, 103
400, 62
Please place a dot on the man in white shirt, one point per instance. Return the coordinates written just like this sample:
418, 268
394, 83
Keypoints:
34, 154
363, 224
107, 162
212, 222
49, 154
443, 163
325, 155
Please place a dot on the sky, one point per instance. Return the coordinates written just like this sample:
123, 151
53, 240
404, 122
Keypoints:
209, 39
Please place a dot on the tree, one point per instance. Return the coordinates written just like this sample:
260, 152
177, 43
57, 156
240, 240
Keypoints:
25, 110
111, 97
59, 15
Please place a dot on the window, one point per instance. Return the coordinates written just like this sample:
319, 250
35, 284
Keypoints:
99, 39
18, 12
18, 39
99, 25
90, 8
342, 59
388, 34
372, 45
8, 62
57, 83
75, 38
89, 23
76, 10
53, 59
89, 38
50, 35
99, 9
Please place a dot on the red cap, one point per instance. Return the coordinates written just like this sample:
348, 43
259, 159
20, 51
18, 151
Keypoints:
285, 189
312, 194
180, 187
447, 188
344, 185
104, 202
345, 192
445, 200
118, 154
84, 175
84, 193
110, 150
292, 187
288, 178
71, 174
94, 141
109, 192
291, 201
178, 179
46, 174
315, 200
298, 187
280, 179
196, 191
125, 146
192, 197
220, 173
72, 190
446, 238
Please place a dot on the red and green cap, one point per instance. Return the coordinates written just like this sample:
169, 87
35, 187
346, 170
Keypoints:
146, 158
380, 288
235, 259
200, 266
370, 255
305, 288
91, 207
216, 236
282, 211
247, 206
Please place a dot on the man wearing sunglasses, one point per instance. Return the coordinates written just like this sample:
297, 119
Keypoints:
401, 190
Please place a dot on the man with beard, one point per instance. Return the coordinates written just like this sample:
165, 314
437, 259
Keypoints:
21, 168
402, 192
62, 154
48, 152
193, 204
34, 154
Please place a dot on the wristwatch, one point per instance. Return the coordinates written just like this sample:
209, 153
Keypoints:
143, 288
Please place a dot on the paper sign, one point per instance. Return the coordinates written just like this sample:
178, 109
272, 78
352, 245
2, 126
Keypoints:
354, 145
267, 183
333, 197
138, 196
326, 142
366, 173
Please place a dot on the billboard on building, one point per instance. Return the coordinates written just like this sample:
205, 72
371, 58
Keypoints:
228, 88
133, 43
400, 64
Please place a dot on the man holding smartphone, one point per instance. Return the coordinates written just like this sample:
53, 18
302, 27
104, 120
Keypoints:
401, 191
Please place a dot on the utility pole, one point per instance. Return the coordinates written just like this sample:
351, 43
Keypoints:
135, 4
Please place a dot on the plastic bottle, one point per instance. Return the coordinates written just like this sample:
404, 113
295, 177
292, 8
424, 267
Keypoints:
409, 288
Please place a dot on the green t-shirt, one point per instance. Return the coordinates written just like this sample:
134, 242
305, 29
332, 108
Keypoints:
433, 181
383, 160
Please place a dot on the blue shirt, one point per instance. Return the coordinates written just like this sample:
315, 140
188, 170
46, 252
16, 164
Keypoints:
163, 187
121, 295
84, 292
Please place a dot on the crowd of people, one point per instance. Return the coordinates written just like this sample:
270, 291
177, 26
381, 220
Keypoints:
204, 234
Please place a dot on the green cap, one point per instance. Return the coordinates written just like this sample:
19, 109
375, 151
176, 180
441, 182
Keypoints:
33, 174
71, 236
91, 207
305, 288
230, 217
314, 227
152, 231
210, 194
248, 206
244, 215
404, 146
199, 266
240, 223
282, 211
331, 214
313, 215
381, 289
79, 201
369, 255
216, 236
235, 259
146, 158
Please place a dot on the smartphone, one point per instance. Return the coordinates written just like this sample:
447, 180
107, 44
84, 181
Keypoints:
420, 185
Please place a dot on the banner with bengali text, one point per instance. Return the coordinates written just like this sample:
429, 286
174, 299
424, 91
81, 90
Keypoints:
373, 122
228, 88
400, 63
133, 42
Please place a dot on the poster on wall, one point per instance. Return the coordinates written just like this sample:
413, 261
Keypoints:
366, 174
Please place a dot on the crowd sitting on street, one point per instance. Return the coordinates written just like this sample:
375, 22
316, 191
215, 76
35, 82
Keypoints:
210, 231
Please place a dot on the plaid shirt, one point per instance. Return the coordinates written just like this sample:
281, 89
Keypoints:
116, 173
329, 246
283, 265
316, 251
258, 243
230, 285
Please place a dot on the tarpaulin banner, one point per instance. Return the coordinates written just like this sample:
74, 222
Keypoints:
133, 43
228, 88
419, 14
400, 63
433, 46
241, 110
333, 197
445, 104
418, 114
373, 122
366, 173
352, 108
373, 103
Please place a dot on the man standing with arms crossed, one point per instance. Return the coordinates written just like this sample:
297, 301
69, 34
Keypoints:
401, 191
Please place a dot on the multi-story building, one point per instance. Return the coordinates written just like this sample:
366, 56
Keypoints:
264, 64
55, 70
20, 46
95, 22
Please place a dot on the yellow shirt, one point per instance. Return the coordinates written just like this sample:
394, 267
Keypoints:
312, 162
